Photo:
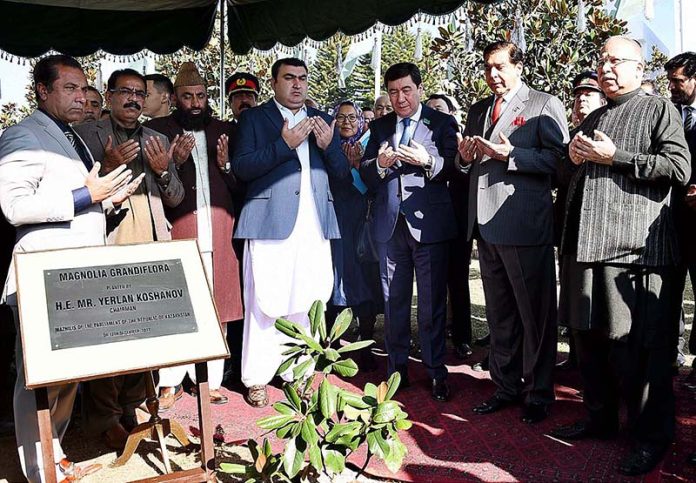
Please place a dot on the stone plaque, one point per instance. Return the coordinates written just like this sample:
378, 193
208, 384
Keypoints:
112, 303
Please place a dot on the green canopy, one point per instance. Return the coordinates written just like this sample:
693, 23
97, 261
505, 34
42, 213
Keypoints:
29, 28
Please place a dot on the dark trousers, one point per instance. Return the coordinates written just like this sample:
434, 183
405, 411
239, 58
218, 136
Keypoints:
399, 257
458, 287
690, 270
112, 400
519, 283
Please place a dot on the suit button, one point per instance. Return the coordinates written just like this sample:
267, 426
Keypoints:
299, 169
195, 212
297, 192
193, 188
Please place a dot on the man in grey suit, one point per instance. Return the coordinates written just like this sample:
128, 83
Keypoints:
285, 151
512, 145
51, 191
109, 404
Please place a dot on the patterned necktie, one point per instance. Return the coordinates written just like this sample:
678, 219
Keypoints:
71, 137
497, 109
79, 149
406, 136
688, 118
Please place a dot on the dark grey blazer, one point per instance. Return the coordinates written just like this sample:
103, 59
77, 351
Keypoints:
511, 201
271, 170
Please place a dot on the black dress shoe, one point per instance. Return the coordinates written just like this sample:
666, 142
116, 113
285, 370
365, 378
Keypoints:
492, 405
642, 460
440, 391
583, 430
463, 351
483, 341
535, 412
483, 365
404, 377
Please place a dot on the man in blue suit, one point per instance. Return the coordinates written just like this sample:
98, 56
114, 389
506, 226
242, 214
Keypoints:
285, 153
406, 162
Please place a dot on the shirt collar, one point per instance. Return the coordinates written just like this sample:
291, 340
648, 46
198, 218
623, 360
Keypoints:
61, 125
117, 127
416, 116
512, 92
284, 109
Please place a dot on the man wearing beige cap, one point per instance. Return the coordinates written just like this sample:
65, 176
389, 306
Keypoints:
206, 213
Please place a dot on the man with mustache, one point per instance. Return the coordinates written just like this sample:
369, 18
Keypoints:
619, 276
93, 105
109, 404
207, 212
242, 91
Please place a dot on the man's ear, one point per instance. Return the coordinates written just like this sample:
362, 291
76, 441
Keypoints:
42, 91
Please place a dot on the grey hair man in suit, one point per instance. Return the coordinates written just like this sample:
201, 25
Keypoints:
109, 404
513, 142
285, 152
619, 285
51, 191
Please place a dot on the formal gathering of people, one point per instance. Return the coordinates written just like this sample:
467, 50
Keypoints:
580, 217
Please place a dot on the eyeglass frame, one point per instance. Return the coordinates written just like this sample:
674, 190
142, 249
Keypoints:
340, 118
614, 61
128, 92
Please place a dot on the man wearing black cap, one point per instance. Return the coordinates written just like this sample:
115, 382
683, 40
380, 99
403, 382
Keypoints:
588, 96
242, 91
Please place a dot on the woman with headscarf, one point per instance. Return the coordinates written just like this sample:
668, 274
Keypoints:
356, 284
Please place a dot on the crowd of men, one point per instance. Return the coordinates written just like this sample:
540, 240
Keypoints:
262, 195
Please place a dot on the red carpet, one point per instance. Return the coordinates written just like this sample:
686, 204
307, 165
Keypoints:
449, 443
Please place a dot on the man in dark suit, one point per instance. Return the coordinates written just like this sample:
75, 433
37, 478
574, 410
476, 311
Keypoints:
410, 152
681, 72
512, 144
285, 152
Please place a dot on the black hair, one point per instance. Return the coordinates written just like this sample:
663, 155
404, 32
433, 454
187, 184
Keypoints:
161, 82
687, 60
443, 98
514, 52
94, 89
401, 70
293, 61
46, 70
117, 74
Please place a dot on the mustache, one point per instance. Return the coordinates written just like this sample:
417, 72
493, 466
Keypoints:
132, 104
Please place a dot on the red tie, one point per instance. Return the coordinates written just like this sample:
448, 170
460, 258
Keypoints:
497, 107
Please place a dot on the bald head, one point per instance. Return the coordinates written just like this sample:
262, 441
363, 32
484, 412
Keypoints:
382, 106
620, 66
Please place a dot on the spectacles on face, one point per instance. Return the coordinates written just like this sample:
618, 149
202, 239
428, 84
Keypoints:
128, 92
613, 61
351, 118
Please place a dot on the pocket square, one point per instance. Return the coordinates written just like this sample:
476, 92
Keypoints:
519, 121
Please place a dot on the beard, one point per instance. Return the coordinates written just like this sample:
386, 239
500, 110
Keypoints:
193, 122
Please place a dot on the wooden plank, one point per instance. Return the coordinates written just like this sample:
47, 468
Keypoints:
205, 419
43, 413
196, 475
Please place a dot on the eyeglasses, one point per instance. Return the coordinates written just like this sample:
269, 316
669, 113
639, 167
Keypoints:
613, 61
127, 92
351, 118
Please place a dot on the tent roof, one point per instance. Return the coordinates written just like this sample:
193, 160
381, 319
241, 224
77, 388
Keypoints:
29, 28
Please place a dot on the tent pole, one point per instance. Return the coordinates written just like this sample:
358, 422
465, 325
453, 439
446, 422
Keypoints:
222, 58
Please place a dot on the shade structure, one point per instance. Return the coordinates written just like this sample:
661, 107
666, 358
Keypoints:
262, 24
30, 28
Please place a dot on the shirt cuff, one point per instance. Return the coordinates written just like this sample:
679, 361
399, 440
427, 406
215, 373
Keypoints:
81, 199
622, 158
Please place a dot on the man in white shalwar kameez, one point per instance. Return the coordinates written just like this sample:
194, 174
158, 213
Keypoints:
285, 153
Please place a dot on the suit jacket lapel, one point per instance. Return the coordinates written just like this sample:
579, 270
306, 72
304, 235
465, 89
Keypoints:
104, 130
55, 132
273, 114
512, 110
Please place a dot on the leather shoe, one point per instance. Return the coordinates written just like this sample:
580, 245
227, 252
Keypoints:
169, 395
483, 341
463, 351
71, 472
440, 390
642, 460
115, 437
492, 405
583, 430
482, 366
535, 412
403, 370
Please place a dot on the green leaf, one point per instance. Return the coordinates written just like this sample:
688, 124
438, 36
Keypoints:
376, 444
292, 397
327, 399
354, 346
292, 458
354, 400
393, 384
341, 325
283, 408
345, 368
283, 432
274, 422
315, 457
286, 365
403, 424
299, 370
370, 390
313, 344
386, 412
288, 327
397, 452
266, 447
233, 468
334, 460
292, 350
316, 316
332, 354
341, 429
309, 432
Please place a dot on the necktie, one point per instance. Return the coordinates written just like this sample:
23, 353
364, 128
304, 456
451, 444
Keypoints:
71, 137
688, 118
497, 109
406, 136
70, 134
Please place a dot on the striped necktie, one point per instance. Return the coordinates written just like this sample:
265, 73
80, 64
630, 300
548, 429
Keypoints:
688, 118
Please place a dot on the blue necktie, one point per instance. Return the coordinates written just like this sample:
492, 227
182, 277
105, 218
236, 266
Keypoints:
406, 136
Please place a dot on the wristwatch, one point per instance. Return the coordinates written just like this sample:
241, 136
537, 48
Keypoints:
165, 178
